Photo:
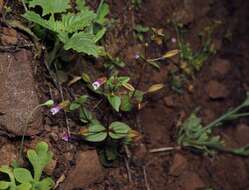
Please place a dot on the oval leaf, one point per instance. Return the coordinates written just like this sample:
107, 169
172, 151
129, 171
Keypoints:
4, 184
118, 130
115, 101
23, 175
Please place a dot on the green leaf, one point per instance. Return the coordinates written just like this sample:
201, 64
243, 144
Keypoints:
74, 106
83, 42
100, 35
4, 184
125, 103
115, 101
85, 115
23, 175
39, 158
118, 130
243, 151
45, 184
102, 12
141, 29
96, 133
81, 5
75, 22
24, 186
51, 6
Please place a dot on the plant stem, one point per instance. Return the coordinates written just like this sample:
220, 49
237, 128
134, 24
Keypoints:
29, 118
223, 117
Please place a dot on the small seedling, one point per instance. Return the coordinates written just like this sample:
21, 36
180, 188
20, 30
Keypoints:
193, 134
22, 179
79, 31
193, 61
140, 31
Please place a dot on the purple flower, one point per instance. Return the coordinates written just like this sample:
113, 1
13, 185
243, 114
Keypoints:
96, 84
137, 56
54, 110
66, 137
173, 40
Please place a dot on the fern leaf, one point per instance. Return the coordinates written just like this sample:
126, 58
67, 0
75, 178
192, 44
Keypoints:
73, 23
51, 6
84, 43
50, 24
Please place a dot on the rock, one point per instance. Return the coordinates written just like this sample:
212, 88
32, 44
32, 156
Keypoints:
140, 151
169, 101
242, 134
192, 181
178, 166
9, 36
221, 67
216, 90
18, 95
87, 171
8, 153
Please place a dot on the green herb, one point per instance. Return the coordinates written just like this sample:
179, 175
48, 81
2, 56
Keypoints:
79, 31
193, 134
22, 179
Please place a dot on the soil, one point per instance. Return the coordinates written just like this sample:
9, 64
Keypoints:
221, 83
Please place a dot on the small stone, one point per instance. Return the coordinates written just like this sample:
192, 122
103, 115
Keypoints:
9, 36
49, 169
242, 134
140, 151
169, 101
87, 171
8, 153
216, 90
221, 67
178, 166
192, 181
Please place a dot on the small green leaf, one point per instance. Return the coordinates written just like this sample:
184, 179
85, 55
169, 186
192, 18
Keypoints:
23, 175
96, 133
45, 184
102, 12
83, 42
126, 103
100, 35
4, 184
118, 130
48, 6
115, 101
74, 106
24, 186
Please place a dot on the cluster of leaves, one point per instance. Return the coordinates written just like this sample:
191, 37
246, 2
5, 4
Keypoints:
96, 132
22, 179
193, 134
79, 31
193, 61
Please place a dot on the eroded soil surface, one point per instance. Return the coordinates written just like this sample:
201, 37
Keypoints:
220, 84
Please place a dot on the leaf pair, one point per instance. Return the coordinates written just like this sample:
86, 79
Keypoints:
97, 132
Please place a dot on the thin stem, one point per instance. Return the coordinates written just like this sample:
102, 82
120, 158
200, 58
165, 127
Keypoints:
24, 6
29, 118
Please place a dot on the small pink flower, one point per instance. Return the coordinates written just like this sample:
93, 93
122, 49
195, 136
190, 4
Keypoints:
66, 137
98, 83
54, 110
137, 56
173, 40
